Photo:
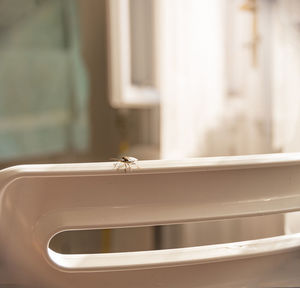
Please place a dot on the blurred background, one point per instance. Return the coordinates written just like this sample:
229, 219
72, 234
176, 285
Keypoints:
89, 80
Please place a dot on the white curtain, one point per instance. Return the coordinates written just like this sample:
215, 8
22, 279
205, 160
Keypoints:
192, 74
214, 102
286, 76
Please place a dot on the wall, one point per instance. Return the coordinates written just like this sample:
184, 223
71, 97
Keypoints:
104, 133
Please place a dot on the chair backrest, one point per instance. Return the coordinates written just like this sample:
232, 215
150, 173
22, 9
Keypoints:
38, 201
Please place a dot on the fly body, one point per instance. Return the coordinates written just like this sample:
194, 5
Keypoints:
126, 163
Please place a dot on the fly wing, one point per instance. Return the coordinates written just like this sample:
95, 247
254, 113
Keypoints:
132, 159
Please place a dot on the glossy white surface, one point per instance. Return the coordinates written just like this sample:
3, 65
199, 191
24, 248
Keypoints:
40, 200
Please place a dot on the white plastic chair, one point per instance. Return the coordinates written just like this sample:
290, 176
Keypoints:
38, 201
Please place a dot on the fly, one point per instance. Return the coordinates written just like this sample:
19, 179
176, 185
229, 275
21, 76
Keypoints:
126, 163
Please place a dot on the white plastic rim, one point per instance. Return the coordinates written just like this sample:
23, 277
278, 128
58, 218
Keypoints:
38, 201
175, 257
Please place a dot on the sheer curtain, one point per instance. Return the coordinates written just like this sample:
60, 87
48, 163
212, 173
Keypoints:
215, 102
192, 74
286, 76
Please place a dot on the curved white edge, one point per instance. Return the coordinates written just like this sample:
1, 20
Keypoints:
174, 257
158, 166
